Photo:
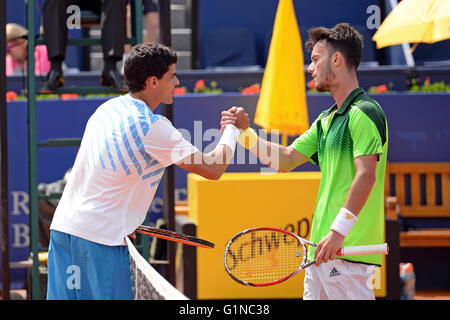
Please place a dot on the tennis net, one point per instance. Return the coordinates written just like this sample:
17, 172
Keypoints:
148, 284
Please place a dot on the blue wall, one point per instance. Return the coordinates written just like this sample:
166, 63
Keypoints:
418, 129
259, 16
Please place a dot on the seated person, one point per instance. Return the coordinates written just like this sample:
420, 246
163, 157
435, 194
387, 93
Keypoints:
113, 24
16, 52
151, 24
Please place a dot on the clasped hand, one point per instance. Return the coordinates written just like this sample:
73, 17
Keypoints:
235, 116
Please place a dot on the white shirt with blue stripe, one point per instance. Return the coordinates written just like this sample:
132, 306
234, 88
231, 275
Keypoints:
121, 160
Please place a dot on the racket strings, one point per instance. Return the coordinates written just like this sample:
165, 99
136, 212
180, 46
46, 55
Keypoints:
264, 256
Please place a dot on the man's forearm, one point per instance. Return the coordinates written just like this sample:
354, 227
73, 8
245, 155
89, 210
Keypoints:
268, 153
278, 157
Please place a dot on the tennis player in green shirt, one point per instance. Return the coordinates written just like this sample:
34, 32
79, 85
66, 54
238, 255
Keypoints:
349, 142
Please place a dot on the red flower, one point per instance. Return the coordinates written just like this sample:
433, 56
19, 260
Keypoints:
11, 95
253, 89
200, 84
382, 88
67, 96
179, 90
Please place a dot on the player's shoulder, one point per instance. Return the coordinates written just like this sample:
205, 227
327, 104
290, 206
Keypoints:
368, 106
116, 101
367, 111
160, 125
160, 119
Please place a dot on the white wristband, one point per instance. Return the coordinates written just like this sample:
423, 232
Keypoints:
344, 222
229, 137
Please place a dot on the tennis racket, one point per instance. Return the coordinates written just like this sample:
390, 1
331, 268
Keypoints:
266, 256
175, 236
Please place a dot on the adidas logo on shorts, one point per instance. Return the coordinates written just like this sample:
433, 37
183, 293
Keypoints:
334, 273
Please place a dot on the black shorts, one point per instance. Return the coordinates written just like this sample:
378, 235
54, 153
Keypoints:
150, 6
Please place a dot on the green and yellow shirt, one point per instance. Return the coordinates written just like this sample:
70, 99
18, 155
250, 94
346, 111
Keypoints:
335, 138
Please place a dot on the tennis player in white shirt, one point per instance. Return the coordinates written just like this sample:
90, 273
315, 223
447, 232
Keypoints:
121, 160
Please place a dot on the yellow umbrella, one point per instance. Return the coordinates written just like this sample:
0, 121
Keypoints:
282, 101
415, 21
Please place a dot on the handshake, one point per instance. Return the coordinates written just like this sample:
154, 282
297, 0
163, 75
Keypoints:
239, 118
235, 116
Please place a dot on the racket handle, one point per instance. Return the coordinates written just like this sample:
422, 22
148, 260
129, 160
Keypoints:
358, 250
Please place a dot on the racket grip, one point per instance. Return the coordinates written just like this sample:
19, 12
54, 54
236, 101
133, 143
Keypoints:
358, 250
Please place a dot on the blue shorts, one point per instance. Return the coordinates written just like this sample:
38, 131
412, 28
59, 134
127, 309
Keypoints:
79, 269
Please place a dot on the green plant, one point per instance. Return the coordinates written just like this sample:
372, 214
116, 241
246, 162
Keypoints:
200, 87
427, 86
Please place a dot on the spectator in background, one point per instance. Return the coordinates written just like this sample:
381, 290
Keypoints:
151, 23
16, 52
113, 23
151, 20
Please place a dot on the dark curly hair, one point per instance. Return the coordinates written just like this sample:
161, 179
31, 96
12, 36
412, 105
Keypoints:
147, 60
343, 38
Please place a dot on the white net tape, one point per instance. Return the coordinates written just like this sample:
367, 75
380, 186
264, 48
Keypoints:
148, 284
